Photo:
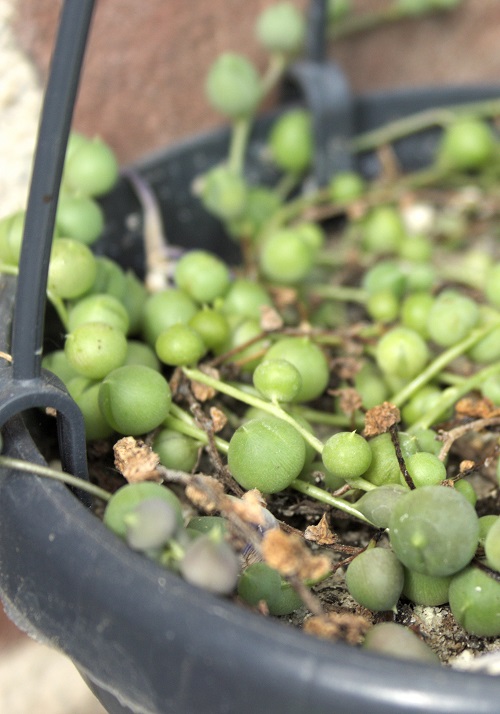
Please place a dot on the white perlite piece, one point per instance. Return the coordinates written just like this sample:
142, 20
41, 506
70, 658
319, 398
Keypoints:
20, 103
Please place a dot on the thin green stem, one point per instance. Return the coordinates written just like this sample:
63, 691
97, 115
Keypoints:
451, 395
236, 393
9, 462
320, 494
60, 308
439, 116
238, 145
183, 427
277, 64
328, 419
342, 293
435, 367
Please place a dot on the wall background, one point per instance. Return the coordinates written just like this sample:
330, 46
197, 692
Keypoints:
146, 63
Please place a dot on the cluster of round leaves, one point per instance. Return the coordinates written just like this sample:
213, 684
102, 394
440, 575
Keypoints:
121, 342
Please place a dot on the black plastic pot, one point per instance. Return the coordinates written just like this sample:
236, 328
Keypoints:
145, 640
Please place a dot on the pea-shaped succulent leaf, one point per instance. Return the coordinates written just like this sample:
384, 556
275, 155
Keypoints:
245, 298
281, 28
72, 268
346, 186
485, 523
451, 317
492, 546
128, 497
425, 469
233, 86
140, 353
109, 278
384, 467
389, 638
375, 579
99, 307
285, 257
180, 345
212, 326
79, 217
475, 602
377, 505
434, 530
347, 455
385, 275
135, 399
202, 275
150, 524
383, 230
402, 352
291, 141
428, 590
310, 361
91, 168
57, 362
176, 451
277, 379
164, 309
467, 490
85, 392
466, 144
261, 583
267, 454
210, 563
223, 193
95, 348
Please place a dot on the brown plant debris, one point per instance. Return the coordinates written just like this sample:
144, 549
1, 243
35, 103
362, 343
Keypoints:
205, 493
344, 626
350, 400
380, 419
219, 419
249, 507
476, 407
136, 460
202, 392
320, 533
288, 554
270, 319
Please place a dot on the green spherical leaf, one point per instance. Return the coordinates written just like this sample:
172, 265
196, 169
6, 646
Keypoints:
475, 602
291, 141
128, 497
135, 399
310, 361
347, 455
233, 86
428, 590
202, 276
267, 454
392, 639
285, 257
72, 268
281, 28
434, 530
95, 348
375, 579
277, 379
402, 353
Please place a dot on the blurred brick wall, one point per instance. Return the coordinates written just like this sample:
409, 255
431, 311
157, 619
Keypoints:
146, 62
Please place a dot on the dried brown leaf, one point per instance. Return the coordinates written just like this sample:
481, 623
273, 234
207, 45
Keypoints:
136, 460
270, 319
288, 554
344, 626
381, 418
219, 419
320, 533
475, 407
